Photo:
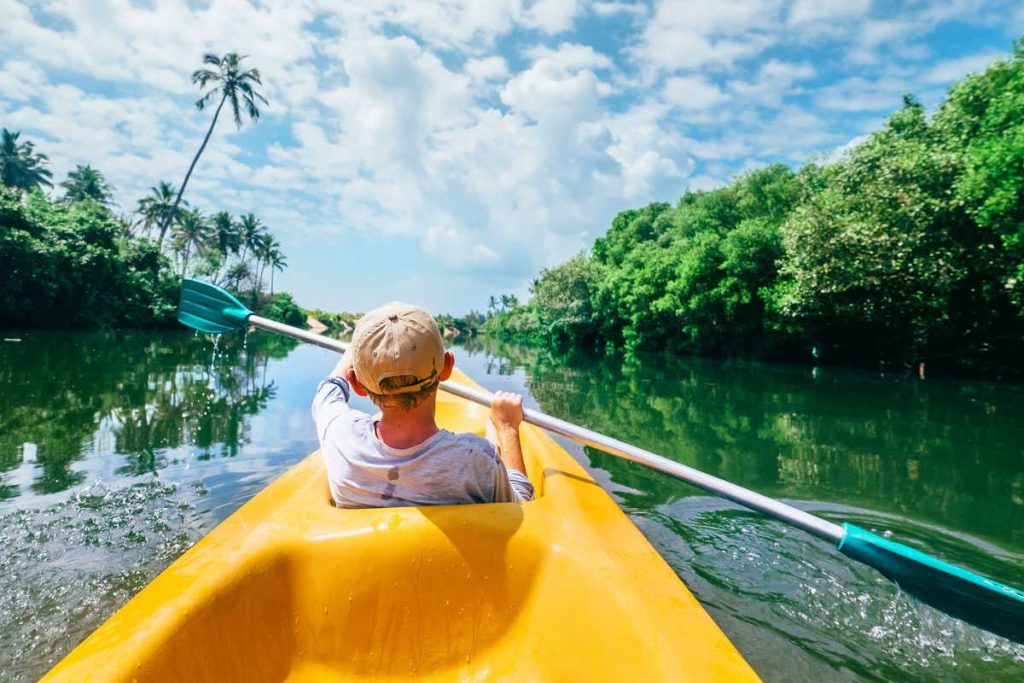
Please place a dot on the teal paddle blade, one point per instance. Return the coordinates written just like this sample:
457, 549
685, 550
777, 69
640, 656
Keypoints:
207, 308
974, 598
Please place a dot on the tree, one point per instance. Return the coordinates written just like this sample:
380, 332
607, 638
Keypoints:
224, 238
277, 262
264, 250
21, 166
983, 120
238, 272
565, 296
233, 85
191, 233
159, 209
629, 229
874, 261
250, 229
85, 182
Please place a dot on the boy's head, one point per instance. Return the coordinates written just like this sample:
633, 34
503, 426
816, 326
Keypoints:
398, 355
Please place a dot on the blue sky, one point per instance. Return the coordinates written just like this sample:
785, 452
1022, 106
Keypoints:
444, 152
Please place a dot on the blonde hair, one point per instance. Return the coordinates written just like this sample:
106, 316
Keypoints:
402, 401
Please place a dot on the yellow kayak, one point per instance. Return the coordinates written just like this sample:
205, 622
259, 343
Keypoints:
290, 588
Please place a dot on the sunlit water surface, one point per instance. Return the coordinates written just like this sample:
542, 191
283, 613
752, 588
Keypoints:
118, 451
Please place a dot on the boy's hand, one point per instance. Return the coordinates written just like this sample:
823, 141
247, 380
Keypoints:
344, 366
506, 410
506, 416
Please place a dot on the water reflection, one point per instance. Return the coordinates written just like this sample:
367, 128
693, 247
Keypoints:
65, 396
946, 452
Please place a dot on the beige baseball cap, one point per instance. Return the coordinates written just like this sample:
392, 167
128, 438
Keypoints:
397, 339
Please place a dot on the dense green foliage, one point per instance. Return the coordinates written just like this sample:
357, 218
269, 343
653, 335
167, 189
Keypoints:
909, 249
72, 263
283, 308
468, 325
335, 322
76, 265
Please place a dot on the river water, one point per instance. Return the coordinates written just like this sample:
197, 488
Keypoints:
119, 450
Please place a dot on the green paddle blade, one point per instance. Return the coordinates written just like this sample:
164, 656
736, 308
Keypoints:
207, 308
977, 600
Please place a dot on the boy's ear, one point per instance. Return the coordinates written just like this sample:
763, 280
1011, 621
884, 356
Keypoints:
449, 365
354, 383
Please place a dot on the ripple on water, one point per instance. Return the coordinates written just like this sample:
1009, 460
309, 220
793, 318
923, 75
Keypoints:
67, 567
804, 612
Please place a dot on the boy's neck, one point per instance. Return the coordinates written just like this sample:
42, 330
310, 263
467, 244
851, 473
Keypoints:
407, 428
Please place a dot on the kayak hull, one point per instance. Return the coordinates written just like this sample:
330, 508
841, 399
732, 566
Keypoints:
290, 588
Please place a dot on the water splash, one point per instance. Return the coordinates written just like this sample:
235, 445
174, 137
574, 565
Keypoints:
767, 584
69, 566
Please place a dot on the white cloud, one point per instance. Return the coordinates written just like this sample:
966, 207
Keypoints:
692, 92
551, 92
21, 80
954, 69
813, 11
552, 16
773, 83
609, 9
690, 34
121, 42
464, 25
859, 94
571, 56
486, 69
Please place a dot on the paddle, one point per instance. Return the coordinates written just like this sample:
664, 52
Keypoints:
978, 600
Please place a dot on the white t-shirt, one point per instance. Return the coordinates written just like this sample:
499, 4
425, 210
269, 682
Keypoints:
446, 469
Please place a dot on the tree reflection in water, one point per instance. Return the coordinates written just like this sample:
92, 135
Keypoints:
940, 451
140, 395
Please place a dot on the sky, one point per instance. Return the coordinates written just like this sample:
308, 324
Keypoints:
444, 152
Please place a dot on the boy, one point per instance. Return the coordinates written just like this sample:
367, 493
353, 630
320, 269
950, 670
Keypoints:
400, 457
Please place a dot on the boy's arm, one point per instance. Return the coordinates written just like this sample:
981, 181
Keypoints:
506, 416
331, 400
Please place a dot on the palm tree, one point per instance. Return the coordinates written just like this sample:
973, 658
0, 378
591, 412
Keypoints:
158, 209
190, 234
20, 165
85, 182
224, 238
233, 85
250, 228
264, 248
277, 262
238, 272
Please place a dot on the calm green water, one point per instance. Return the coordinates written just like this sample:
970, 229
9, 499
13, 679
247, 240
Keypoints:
118, 451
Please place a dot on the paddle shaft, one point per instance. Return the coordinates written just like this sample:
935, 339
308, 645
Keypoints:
773, 508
